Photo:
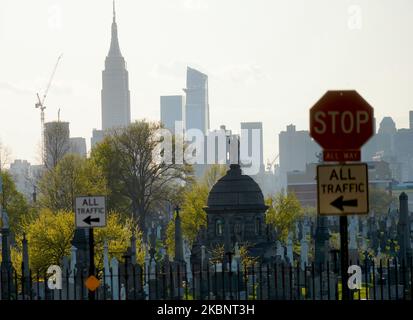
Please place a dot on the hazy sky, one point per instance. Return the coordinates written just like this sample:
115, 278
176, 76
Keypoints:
267, 60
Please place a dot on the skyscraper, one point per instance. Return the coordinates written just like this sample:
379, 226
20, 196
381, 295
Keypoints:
78, 146
57, 142
172, 110
296, 149
115, 85
197, 105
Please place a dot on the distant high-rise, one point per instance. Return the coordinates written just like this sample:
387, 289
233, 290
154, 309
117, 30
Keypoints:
97, 137
57, 142
296, 150
172, 110
78, 146
197, 105
411, 120
387, 126
22, 177
115, 85
385, 137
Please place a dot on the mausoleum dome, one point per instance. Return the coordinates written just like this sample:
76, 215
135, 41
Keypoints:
236, 192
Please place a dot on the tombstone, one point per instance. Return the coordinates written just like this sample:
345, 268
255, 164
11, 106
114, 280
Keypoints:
364, 228
179, 246
290, 254
106, 267
352, 246
187, 259
321, 242
159, 232
122, 292
297, 230
372, 232
388, 223
379, 252
403, 229
304, 251
7, 283
133, 249
80, 241
280, 251
72, 268
65, 278
147, 260
114, 265
25, 266
153, 281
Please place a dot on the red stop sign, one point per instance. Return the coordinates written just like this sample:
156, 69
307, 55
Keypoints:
341, 122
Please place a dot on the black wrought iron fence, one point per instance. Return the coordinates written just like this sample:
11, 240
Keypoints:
386, 280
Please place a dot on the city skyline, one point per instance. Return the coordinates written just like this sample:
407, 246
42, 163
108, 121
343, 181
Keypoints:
246, 75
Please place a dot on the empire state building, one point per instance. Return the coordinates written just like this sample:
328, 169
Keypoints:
115, 85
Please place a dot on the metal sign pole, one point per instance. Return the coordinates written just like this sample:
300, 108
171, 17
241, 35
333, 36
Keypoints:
344, 257
91, 294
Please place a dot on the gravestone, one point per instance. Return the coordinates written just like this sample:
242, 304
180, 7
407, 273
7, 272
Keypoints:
114, 265
290, 255
7, 281
403, 228
352, 246
133, 249
321, 242
280, 251
26, 267
106, 267
304, 248
72, 268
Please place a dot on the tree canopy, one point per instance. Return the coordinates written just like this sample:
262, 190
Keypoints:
380, 201
283, 212
13, 202
71, 177
138, 182
50, 237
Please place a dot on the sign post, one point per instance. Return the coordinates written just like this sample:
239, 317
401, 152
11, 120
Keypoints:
341, 122
90, 213
91, 294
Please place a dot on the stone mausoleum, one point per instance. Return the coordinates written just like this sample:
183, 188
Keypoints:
235, 217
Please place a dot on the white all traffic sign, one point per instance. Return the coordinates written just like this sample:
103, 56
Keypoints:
342, 189
90, 212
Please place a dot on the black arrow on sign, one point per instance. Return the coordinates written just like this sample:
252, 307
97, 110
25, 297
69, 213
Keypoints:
339, 203
89, 220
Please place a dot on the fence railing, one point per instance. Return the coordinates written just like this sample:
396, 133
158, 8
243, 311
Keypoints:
388, 279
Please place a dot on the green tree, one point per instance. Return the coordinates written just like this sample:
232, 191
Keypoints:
283, 212
13, 202
137, 182
380, 201
71, 177
193, 215
50, 235
49, 238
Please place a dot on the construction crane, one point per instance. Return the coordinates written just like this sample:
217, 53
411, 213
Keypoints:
271, 164
40, 105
